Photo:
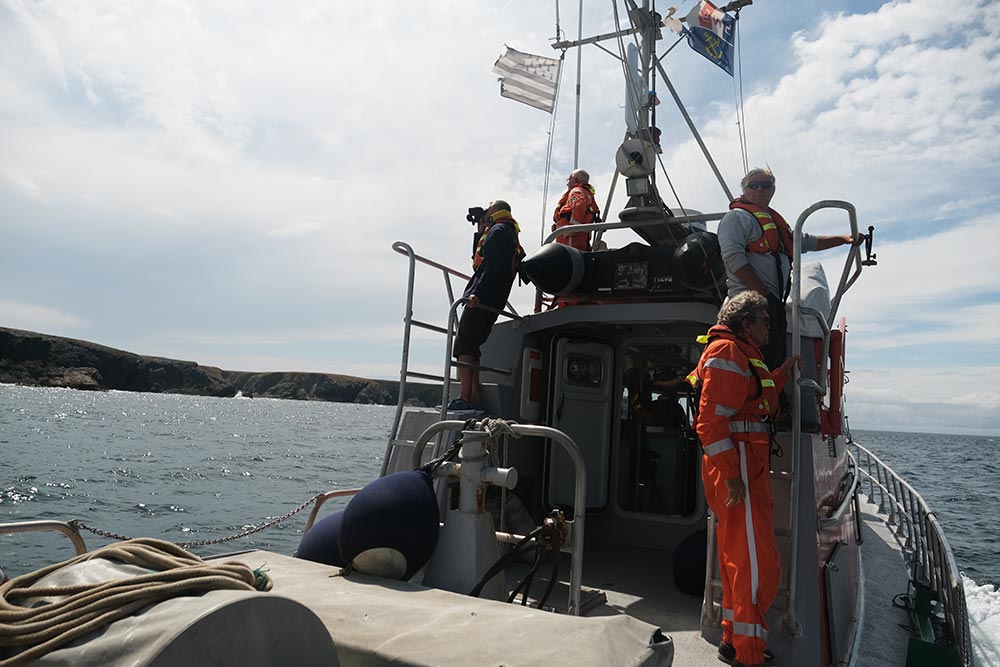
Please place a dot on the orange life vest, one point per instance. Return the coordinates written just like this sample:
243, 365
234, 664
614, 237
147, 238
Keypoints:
577, 206
579, 203
742, 397
503, 216
776, 236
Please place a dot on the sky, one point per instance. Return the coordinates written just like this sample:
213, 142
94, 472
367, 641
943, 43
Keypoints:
223, 181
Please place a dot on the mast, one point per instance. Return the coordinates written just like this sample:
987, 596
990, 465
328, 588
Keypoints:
579, 72
638, 155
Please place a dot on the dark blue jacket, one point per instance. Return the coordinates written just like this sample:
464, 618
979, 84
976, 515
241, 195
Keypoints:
494, 277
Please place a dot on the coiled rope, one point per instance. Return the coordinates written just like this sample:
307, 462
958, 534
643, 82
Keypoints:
89, 607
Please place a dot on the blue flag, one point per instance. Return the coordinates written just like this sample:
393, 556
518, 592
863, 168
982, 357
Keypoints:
710, 32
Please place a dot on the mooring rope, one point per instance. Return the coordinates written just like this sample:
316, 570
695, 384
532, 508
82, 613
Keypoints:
89, 607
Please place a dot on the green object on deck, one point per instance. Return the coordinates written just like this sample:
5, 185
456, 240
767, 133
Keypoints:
927, 654
922, 612
922, 651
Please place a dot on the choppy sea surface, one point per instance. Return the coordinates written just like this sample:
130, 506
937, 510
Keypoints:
188, 469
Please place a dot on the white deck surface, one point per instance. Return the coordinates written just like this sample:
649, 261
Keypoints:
407, 621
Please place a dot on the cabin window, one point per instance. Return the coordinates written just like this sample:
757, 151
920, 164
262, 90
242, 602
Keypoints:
657, 458
584, 370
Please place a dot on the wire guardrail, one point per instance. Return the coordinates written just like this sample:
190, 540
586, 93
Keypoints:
927, 552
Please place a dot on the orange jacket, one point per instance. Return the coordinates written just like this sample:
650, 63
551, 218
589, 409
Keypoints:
776, 234
577, 206
738, 395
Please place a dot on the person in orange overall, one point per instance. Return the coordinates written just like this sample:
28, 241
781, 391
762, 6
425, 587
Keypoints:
577, 206
738, 398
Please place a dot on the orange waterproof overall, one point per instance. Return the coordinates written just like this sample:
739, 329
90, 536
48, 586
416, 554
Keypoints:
738, 393
577, 206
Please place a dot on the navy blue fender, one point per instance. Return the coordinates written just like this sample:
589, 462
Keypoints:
390, 528
320, 543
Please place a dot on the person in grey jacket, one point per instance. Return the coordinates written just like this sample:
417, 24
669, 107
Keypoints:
756, 245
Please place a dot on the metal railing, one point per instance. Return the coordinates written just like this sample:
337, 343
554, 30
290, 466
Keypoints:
789, 622
42, 525
405, 373
575, 536
929, 556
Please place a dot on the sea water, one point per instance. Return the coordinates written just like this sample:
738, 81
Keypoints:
190, 469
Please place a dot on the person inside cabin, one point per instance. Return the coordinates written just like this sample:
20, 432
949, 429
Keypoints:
494, 268
577, 206
737, 397
756, 246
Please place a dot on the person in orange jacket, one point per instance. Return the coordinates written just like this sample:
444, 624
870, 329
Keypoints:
577, 206
738, 396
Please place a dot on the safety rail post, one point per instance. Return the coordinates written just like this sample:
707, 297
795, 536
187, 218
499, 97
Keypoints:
914, 513
576, 525
709, 616
879, 472
789, 622
896, 495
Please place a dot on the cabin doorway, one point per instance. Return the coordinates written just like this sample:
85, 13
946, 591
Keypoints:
582, 399
657, 453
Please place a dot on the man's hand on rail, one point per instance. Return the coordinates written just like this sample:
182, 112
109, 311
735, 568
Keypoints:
473, 301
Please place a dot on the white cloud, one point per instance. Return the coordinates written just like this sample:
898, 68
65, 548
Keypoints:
36, 318
23, 182
244, 167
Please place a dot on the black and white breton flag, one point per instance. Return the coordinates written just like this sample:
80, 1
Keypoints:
529, 79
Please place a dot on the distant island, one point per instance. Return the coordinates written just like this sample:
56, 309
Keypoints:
41, 360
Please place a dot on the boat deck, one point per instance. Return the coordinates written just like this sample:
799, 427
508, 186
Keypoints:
882, 639
438, 627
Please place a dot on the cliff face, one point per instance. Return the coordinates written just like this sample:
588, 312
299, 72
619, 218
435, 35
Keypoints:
35, 359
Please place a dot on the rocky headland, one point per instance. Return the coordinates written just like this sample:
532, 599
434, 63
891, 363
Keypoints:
35, 359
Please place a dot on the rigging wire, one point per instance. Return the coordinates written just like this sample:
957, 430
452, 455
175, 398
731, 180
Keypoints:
651, 93
548, 150
741, 120
559, 32
552, 132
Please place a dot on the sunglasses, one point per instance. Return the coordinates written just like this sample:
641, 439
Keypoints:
760, 185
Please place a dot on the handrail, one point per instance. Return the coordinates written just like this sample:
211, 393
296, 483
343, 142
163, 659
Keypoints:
579, 495
43, 524
604, 226
926, 549
408, 323
449, 336
789, 622
321, 499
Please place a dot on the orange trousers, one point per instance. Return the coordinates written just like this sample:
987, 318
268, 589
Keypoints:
749, 562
